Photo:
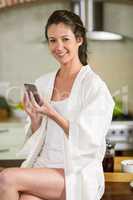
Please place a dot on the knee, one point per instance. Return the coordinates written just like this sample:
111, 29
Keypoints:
6, 179
23, 197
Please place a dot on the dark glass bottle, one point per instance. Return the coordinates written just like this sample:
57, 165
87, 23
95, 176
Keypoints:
108, 162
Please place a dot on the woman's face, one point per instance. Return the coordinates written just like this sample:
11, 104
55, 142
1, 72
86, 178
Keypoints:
63, 43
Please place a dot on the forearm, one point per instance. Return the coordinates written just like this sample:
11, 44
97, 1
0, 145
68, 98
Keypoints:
50, 112
35, 124
61, 121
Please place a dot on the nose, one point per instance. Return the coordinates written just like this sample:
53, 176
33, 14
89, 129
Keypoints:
59, 45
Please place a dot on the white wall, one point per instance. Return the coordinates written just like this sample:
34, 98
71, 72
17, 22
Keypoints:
23, 56
114, 60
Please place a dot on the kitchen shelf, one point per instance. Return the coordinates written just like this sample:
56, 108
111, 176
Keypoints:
117, 175
116, 1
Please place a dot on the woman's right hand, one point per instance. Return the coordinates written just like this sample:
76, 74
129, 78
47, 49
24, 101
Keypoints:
35, 117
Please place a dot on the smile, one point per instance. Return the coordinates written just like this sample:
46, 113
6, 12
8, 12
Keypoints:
61, 54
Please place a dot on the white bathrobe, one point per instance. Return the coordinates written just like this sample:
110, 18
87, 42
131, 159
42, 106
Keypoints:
90, 109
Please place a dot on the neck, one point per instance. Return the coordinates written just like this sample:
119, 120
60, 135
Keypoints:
69, 70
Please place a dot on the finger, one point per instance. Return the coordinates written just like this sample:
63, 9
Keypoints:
41, 101
41, 110
26, 99
27, 102
33, 101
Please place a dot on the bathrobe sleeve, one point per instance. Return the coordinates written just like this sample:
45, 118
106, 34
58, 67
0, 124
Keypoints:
28, 131
87, 132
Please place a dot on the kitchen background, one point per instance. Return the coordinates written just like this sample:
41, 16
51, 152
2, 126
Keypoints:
24, 56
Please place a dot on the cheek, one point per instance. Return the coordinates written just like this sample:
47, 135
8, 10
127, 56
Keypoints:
73, 49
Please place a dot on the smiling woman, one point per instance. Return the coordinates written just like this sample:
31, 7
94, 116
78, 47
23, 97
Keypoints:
65, 136
71, 30
62, 42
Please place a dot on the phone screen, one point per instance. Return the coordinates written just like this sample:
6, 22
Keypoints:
32, 88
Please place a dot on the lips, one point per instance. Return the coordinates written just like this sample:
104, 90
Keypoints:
61, 54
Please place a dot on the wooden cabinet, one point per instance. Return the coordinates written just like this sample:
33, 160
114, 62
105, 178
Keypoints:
116, 1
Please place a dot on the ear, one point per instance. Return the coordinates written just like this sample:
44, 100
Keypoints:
80, 40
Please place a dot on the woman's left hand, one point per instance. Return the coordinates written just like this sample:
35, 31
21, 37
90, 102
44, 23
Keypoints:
44, 109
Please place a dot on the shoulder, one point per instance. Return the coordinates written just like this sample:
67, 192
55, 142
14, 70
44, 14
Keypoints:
93, 87
91, 80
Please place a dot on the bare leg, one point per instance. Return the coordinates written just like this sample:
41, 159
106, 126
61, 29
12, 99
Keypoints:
29, 197
45, 183
1, 169
7, 189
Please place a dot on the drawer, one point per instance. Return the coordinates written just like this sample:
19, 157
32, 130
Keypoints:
11, 153
11, 134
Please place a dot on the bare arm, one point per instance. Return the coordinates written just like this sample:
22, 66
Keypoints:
47, 109
35, 124
61, 121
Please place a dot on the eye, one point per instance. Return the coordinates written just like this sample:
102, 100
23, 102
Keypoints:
65, 39
51, 40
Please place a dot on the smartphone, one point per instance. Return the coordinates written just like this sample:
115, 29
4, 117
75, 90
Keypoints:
32, 88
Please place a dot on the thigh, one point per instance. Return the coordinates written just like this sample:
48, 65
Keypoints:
29, 197
47, 183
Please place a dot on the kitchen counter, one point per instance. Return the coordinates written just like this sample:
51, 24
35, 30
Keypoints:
117, 175
117, 183
117, 191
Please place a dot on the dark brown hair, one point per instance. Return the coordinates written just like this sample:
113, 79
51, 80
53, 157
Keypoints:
71, 19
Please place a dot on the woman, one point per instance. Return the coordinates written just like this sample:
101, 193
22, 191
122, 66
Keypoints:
65, 141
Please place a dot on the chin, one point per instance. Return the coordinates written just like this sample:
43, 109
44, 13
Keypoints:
64, 61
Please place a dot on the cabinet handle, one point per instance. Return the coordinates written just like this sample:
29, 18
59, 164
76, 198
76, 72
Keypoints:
4, 131
4, 150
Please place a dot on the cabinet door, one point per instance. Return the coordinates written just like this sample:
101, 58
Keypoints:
11, 134
11, 139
